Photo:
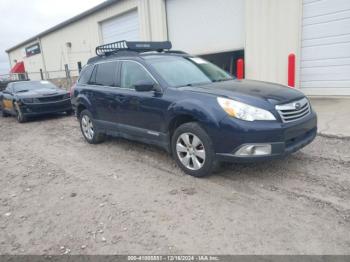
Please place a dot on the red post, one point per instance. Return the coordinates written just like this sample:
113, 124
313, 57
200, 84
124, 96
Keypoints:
291, 70
240, 68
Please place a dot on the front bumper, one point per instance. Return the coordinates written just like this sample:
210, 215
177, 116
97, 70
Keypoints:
284, 138
33, 109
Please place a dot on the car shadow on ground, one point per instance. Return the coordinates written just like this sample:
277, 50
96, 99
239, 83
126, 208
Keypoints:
257, 169
46, 117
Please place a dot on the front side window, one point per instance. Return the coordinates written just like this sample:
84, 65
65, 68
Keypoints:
104, 74
183, 71
132, 73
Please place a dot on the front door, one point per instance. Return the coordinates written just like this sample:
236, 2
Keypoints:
142, 112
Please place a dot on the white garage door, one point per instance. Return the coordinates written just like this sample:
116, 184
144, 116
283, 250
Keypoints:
325, 57
206, 26
123, 27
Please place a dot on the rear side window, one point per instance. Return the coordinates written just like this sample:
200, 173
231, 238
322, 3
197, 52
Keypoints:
85, 74
105, 74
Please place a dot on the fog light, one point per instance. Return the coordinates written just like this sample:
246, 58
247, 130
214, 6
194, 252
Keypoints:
254, 150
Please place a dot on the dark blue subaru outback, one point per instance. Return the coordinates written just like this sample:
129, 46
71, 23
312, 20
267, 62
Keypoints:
196, 111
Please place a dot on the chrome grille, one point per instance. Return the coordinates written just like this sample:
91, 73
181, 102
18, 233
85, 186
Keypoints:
294, 111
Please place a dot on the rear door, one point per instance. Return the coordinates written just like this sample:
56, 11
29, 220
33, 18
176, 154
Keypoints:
102, 91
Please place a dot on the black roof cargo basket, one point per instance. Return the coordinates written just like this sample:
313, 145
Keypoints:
112, 48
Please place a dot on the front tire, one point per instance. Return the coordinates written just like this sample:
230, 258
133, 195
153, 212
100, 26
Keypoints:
19, 115
3, 113
193, 150
88, 129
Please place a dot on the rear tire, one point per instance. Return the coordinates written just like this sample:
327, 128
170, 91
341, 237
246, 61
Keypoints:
193, 150
88, 130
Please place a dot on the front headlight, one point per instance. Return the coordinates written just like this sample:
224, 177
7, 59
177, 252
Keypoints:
243, 111
66, 96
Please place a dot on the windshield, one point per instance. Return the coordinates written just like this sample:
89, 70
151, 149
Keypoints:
186, 71
32, 85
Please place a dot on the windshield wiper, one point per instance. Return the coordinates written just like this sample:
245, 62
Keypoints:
22, 91
221, 80
194, 84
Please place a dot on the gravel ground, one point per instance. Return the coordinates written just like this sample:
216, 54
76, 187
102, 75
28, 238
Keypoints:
61, 195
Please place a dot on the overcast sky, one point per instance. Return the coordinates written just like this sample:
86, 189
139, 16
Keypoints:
22, 19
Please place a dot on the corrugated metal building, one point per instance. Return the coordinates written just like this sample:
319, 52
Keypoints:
264, 32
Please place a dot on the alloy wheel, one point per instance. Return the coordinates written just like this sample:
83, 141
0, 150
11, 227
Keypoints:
190, 151
87, 126
19, 114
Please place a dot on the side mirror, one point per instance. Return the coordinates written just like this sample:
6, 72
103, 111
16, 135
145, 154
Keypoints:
144, 86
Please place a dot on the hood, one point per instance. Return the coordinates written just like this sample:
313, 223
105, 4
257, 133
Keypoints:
250, 91
41, 92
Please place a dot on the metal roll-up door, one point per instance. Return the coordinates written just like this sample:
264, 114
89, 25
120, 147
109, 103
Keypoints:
123, 27
206, 26
325, 53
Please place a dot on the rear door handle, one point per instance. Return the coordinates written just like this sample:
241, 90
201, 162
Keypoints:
121, 98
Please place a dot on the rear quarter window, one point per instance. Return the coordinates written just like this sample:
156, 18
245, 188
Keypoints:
85, 74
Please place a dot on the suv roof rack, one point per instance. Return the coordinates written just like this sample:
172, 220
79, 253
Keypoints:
112, 48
